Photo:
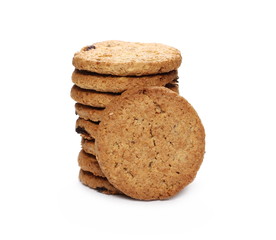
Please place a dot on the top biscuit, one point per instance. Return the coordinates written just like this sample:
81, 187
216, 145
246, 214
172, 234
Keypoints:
127, 58
150, 143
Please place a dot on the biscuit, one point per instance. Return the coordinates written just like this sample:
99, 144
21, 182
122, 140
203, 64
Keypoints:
98, 183
88, 112
95, 99
127, 58
89, 163
115, 84
91, 97
95, 114
86, 128
88, 146
150, 143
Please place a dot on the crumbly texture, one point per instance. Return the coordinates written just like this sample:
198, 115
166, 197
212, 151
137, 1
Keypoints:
127, 58
150, 143
116, 84
98, 183
89, 163
88, 146
91, 97
86, 128
88, 112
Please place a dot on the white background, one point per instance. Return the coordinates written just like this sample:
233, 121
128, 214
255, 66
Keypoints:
228, 74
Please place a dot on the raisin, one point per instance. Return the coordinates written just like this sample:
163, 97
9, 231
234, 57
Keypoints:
101, 189
90, 47
81, 130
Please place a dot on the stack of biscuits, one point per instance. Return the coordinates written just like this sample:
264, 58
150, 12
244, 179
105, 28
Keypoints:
105, 73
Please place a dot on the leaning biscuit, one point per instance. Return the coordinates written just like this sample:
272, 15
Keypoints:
150, 143
116, 84
98, 183
127, 58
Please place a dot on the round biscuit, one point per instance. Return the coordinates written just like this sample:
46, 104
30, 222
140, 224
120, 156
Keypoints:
127, 58
115, 84
150, 143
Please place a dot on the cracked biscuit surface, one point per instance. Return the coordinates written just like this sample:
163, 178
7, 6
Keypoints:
127, 58
150, 143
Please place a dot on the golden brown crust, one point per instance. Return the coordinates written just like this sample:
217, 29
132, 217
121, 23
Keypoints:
89, 163
115, 84
88, 146
87, 129
91, 97
150, 143
98, 183
127, 58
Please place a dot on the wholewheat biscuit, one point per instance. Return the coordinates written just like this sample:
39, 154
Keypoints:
98, 183
86, 128
89, 163
150, 143
127, 58
95, 114
88, 146
97, 99
91, 97
115, 84
88, 112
